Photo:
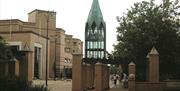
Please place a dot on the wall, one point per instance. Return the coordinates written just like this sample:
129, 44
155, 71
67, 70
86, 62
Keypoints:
147, 86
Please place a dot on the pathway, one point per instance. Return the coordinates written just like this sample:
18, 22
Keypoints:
66, 85
58, 85
118, 87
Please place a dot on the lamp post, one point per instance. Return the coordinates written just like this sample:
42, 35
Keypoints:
47, 17
47, 44
47, 35
55, 58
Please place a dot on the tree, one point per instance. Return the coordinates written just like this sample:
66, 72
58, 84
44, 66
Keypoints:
5, 52
148, 24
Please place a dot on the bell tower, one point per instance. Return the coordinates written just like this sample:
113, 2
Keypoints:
95, 33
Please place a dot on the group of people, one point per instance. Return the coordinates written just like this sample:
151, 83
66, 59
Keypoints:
123, 78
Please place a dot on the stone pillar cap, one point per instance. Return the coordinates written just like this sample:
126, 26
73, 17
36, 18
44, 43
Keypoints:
147, 55
153, 51
88, 64
132, 63
98, 63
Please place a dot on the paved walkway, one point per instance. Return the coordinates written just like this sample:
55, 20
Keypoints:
66, 85
117, 87
58, 85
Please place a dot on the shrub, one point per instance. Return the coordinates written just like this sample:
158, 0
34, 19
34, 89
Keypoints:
12, 83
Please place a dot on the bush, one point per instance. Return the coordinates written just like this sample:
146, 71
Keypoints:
38, 88
12, 83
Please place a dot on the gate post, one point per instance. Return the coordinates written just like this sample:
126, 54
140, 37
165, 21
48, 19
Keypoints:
92, 76
77, 73
25, 65
106, 77
131, 81
16, 68
88, 80
153, 65
6, 69
29, 65
99, 77
84, 76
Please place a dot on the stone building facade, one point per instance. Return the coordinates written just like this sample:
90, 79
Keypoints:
32, 36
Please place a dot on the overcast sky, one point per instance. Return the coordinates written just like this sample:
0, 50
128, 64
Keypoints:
71, 14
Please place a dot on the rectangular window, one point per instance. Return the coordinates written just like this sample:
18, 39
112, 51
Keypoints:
88, 45
14, 49
37, 59
74, 43
102, 54
102, 45
67, 49
68, 40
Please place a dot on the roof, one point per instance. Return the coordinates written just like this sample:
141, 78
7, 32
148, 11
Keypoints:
95, 14
38, 10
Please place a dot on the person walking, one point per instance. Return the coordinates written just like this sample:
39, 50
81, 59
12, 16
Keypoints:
115, 79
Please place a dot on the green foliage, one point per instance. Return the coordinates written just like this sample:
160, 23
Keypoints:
12, 83
5, 52
146, 25
38, 88
115, 69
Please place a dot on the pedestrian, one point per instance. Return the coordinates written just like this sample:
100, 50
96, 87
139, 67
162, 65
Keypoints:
115, 79
124, 76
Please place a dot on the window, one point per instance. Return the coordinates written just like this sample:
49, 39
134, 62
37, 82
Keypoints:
67, 60
14, 49
75, 43
67, 49
67, 40
37, 59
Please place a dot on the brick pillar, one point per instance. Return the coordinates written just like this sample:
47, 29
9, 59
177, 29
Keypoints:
99, 77
92, 76
132, 68
84, 76
29, 65
103, 77
131, 81
6, 69
77, 73
25, 66
88, 80
17, 68
153, 65
108, 79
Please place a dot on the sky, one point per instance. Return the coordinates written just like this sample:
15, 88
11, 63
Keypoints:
71, 14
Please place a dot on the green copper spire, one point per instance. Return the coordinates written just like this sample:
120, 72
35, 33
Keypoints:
95, 14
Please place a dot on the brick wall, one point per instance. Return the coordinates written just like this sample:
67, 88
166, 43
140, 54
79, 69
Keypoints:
148, 86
